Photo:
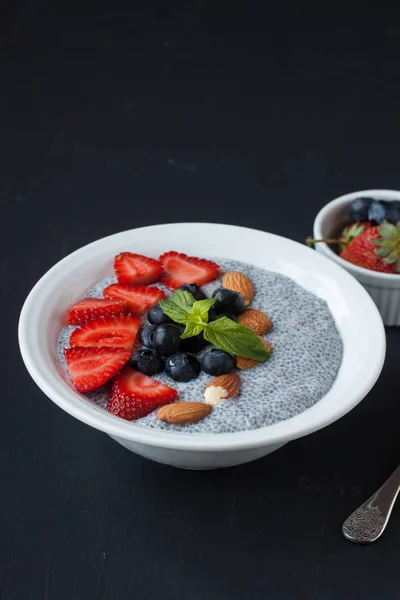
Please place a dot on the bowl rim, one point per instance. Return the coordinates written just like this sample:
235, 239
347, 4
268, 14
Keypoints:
341, 201
298, 426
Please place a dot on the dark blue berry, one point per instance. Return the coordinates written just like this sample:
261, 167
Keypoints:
359, 208
146, 333
228, 301
392, 214
213, 316
195, 290
377, 211
147, 362
228, 316
194, 344
167, 339
155, 316
182, 367
217, 362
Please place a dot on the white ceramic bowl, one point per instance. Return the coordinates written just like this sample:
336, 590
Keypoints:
384, 288
356, 316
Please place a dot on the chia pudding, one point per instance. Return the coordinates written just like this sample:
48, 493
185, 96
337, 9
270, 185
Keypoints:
306, 357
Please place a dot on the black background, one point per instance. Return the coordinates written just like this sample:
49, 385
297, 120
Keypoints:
117, 114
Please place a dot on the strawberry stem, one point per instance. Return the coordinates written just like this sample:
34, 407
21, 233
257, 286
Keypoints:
310, 241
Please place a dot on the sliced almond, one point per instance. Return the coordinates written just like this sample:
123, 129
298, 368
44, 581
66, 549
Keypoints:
222, 387
182, 413
248, 363
255, 320
236, 281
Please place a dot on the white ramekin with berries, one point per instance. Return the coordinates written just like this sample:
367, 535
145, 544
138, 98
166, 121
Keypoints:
361, 232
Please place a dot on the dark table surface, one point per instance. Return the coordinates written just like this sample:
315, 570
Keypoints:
121, 114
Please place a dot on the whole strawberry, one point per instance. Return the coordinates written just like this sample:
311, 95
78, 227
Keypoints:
376, 249
348, 234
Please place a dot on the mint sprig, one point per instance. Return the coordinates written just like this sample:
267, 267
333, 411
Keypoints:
224, 333
192, 329
178, 307
236, 339
200, 309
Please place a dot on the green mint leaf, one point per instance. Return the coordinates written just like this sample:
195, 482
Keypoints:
192, 329
200, 309
178, 307
198, 317
175, 312
183, 299
231, 337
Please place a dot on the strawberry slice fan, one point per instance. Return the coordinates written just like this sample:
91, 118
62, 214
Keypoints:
102, 343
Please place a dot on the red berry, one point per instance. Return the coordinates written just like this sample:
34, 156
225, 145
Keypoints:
136, 269
90, 309
115, 332
180, 269
134, 395
90, 368
362, 252
139, 298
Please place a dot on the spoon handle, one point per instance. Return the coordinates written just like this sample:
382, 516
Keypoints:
368, 522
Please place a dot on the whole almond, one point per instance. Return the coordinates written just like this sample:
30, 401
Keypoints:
236, 281
255, 320
248, 363
222, 388
182, 413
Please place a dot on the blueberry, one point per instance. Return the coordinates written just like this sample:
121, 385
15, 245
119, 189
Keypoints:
213, 316
228, 315
393, 212
155, 316
182, 367
217, 362
147, 362
195, 290
228, 301
377, 211
359, 208
167, 339
194, 344
146, 333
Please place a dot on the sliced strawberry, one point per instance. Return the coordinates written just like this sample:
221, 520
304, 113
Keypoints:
115, 332
90, 368
90, 309
134, 395
138, 297
136, 269
180, 269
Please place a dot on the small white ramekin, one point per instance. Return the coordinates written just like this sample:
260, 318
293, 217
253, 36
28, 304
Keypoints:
384, 288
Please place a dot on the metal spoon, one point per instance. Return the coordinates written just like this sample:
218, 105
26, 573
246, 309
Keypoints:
366, 524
